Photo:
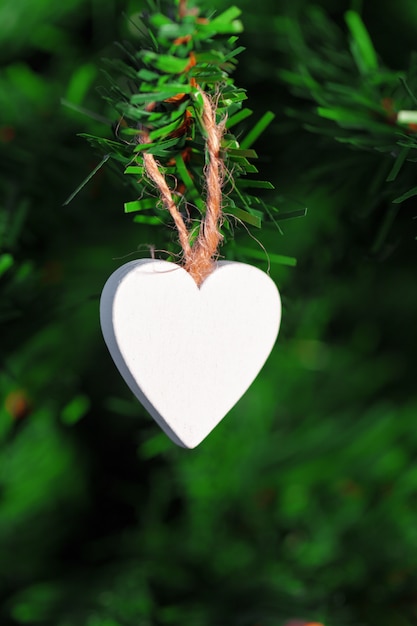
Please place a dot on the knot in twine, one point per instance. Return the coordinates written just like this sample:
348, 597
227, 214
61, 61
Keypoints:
199, 257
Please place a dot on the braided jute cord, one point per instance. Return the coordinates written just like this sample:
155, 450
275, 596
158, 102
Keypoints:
199, 258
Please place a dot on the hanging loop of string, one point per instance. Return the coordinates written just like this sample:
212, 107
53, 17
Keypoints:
199, 257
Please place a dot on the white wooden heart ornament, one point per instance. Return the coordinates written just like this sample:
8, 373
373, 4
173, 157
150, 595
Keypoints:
189, 353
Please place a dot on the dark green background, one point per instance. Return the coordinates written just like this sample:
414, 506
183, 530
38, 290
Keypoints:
303, 502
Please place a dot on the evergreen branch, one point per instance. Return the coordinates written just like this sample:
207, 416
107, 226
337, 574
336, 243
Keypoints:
156, 92
351, 96
327, 73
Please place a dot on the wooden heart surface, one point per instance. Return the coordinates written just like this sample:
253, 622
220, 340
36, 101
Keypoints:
189, 353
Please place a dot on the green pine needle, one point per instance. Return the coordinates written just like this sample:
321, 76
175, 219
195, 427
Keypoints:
362, 47
258, 129
87, 179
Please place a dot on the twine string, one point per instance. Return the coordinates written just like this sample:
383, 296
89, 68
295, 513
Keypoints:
155, 174
199, 258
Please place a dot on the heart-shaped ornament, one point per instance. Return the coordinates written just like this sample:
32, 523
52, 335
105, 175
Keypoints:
189, 353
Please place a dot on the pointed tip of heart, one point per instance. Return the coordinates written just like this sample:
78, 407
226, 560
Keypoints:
191, 443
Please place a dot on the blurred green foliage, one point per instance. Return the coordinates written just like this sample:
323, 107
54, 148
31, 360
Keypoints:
302, 503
